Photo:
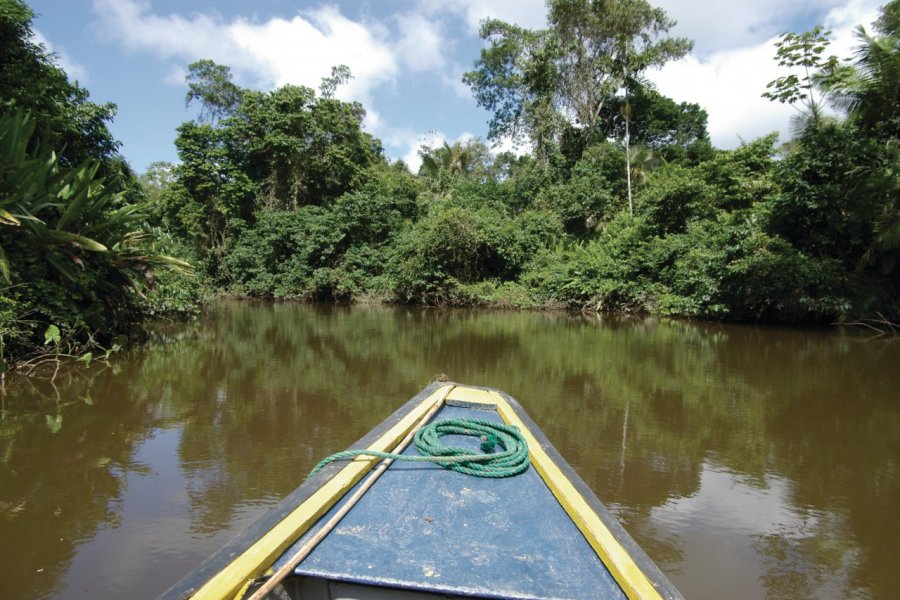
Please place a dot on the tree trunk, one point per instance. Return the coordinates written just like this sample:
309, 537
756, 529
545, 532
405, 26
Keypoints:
628, 159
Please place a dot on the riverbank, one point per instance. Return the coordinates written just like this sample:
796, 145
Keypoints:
308, 206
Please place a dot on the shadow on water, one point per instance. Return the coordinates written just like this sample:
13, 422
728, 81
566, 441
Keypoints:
749, 462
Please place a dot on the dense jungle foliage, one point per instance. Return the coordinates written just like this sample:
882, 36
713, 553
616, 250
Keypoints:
622, 203
77, 251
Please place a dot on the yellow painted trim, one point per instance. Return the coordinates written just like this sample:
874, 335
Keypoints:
621, 565
472, 395
254, 561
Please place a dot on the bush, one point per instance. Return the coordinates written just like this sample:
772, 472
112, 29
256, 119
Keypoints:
74, 253
593, 192
610, 272
730, 267
284, 254
457, 245
672, 197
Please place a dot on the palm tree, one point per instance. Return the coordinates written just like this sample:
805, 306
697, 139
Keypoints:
868, 90
447, 162
452, 160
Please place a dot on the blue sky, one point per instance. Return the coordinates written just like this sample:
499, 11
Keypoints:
407, 58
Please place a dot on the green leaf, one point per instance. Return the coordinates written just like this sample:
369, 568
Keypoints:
7, 218
54, 424
4, 266
87, 400
177, 264
86, 358
52, 335
68, 237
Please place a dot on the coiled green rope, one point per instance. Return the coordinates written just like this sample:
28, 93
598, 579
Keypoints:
511, 460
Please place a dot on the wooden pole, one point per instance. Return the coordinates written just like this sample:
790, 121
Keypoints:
314, 541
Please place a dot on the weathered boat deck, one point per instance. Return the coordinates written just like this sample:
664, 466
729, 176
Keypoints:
424, 527
423, 531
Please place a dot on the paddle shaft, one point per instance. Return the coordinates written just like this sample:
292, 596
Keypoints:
314, 541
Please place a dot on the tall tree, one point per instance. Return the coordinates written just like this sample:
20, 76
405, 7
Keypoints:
868, 89
801, 52
537, 82
63, 111
604, 46
302, 148
516, 79
210, 84
340, 75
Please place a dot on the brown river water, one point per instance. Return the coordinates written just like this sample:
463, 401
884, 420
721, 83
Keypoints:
749, 462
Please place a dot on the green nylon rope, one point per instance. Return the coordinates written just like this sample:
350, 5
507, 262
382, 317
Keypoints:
511, 460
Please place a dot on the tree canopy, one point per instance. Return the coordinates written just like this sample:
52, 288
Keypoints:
537, 82
620, 203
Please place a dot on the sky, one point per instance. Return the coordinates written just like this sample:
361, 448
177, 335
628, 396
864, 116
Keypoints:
407, 58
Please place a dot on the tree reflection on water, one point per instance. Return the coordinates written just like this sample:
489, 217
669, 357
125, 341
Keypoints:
748, 462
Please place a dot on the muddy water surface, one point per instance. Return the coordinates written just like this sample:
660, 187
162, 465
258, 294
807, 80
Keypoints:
748, 462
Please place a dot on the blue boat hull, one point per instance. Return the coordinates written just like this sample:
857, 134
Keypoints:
422, 529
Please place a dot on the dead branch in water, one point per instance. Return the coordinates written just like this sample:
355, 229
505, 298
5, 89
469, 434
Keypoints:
880, 325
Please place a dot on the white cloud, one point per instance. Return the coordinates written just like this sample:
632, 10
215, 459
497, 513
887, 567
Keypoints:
531, 14
729, 83
131, 23
422, 45
176, 75
844, 20
452, 78
75, 71
301, 50
729, 86
720, 24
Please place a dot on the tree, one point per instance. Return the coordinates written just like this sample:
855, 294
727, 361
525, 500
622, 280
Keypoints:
626, 116
516, 78
63, 112
156, 180
73, 243
605, 46
868, 89
803, 51
840, 184
256, 151
210, 190
462, 159
672, 130
210, 84
300, 148
339, 76
537, 82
